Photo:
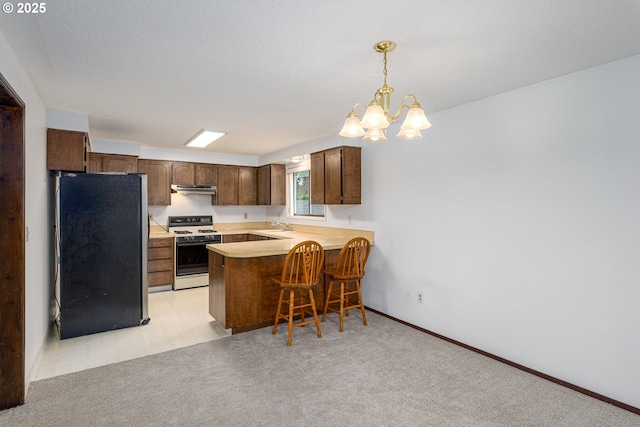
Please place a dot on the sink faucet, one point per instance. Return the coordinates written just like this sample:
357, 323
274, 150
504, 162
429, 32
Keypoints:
285, 226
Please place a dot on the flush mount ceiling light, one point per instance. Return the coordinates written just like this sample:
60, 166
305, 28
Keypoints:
204, 138
377, 118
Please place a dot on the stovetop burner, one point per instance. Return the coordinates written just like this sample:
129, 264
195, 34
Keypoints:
207, 230
182, 232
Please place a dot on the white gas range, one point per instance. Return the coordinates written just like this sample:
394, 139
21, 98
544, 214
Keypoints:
192, 235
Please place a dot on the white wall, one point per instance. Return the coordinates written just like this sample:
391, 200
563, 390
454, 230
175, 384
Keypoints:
191, 204
37, 286
524, 231
517, 216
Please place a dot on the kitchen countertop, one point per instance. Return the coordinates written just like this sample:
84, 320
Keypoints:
282, 246
157, 232
329, 238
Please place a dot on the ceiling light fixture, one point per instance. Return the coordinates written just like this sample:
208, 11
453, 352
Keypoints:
204, 138
377, 118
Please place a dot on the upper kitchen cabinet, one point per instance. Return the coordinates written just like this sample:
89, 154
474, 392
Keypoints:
247, 185
183, 173
236, 185
158, 180
227, 186
271, 185
206, 174
317, 178
67, 150
100, 162
336, 176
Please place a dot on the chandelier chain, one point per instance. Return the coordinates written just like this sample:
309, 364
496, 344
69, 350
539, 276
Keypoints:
385, 68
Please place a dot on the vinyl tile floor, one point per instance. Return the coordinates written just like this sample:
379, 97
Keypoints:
178, 319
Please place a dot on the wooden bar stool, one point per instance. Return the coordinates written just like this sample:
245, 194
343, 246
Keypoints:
300, 274
349, 269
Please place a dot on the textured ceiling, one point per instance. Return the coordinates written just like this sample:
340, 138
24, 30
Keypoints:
278, 73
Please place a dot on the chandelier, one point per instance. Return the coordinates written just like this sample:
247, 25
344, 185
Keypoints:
376, 118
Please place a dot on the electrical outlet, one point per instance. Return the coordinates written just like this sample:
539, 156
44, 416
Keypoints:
420, 299
246, 215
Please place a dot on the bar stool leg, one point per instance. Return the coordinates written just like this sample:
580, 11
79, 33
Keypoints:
275, 325
291, 305
341, 306
326, 300
315, 313
364, 316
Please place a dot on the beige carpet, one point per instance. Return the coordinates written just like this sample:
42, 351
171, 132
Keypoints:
381, 375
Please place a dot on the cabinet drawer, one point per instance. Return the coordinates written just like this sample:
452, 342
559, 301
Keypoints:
160, 253
160, 265
160, 278
161, 242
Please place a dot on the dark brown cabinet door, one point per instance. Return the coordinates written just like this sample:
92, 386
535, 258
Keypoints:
271, 185
317, 178
247, 185
160, 265
278, 185
206, 174
158, 180
336, 176
351, 175
67, 150
232, 238
101, 162
227, 191
264, 185
94, 162
183, 173
333, 176
119, 163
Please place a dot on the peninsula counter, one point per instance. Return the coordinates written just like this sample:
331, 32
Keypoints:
242, 296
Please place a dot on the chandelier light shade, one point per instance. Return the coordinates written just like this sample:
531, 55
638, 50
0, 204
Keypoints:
352, 126
375, 135
376, 118
409, 133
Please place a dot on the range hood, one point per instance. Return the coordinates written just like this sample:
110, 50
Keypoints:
193, 189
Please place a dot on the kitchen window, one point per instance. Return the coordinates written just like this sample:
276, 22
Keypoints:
300, 195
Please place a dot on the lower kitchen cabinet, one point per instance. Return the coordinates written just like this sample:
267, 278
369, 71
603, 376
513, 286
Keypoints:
160, 266
232, 238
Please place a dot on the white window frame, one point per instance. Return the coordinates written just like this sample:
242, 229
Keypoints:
291, 169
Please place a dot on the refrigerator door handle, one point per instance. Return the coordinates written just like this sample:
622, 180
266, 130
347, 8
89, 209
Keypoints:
145, 241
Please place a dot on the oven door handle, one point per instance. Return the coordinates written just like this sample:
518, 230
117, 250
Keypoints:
182, 244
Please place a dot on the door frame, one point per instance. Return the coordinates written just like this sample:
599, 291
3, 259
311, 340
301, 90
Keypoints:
12, 247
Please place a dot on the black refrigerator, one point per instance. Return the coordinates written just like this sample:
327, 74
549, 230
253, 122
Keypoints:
102, 233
